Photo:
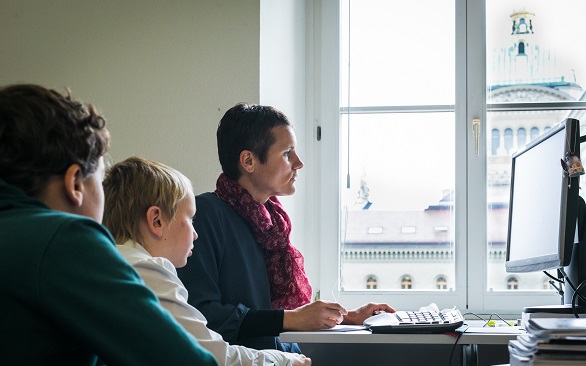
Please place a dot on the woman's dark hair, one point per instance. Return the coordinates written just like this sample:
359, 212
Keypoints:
246, 127
42, 133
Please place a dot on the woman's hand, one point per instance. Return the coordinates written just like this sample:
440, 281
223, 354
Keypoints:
359, 315
314, 316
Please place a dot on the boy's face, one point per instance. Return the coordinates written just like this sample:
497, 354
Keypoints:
179, 234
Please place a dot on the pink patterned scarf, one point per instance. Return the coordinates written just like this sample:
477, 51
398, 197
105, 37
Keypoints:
290, 287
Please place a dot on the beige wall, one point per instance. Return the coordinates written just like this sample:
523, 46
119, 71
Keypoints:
284, 49
163, 73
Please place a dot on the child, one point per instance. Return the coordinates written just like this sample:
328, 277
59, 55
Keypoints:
149, 210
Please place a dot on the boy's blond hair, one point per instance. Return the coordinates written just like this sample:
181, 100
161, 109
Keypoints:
134, 185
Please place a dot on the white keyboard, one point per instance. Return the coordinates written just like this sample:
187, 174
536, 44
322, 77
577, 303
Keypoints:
415, 321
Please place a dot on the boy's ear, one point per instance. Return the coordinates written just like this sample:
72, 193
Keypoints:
247, 161
74, 186
154, 218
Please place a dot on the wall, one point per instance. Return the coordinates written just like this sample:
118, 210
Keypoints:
283, 75
163, 73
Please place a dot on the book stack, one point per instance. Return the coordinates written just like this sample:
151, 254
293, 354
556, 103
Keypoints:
550, 342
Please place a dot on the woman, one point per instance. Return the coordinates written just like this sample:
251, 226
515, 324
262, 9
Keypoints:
247, 278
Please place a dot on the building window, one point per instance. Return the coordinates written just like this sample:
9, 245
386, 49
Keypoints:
495, 141
521, 49
406, 283
371, 282
408, 230
546, 284
508, 140
533, 133
512, 283
441, 283
521, 137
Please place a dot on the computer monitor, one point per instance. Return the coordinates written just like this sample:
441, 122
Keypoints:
543, 209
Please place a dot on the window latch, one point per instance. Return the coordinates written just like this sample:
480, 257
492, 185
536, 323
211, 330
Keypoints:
476, 128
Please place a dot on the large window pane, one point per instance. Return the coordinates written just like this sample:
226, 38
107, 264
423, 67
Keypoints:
398, 211
397, 52
397, 162
404, 71
532, 56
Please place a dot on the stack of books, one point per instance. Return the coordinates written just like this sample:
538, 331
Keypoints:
550, 341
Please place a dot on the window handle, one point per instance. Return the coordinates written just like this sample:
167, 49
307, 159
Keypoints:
476, 127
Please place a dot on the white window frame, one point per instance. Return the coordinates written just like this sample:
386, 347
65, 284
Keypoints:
471, 293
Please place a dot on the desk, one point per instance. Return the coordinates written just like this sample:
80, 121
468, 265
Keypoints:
469, 341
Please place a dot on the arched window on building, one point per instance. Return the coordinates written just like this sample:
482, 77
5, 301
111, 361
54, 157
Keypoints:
508, 140
546, 284
441, 283
406, 283
512, 283
495, 141
521, 48
521, 138
371, 282
533, 133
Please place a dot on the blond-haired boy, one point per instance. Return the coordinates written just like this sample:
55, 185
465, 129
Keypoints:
149, 209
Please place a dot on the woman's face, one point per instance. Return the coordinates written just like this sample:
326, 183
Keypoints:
276, 177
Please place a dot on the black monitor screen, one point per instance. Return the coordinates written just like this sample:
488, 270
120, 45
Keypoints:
544, 199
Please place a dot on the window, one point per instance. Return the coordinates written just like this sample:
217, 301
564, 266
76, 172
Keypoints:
521, 137
408, 230
508, 140
534, 133
512, 283
385, 114
406, 283
371, 282
441, 283
427, 120
526, 90
375, 230
496, 141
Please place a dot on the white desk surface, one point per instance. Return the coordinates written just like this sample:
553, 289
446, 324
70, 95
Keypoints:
473, 335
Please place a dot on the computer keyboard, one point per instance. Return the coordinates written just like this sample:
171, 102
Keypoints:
415, 321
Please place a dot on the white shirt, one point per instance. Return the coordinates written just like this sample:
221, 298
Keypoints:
160, 276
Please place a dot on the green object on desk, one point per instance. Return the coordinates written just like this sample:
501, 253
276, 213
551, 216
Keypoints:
492, 323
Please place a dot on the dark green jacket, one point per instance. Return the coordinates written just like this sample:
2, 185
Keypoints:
67, 297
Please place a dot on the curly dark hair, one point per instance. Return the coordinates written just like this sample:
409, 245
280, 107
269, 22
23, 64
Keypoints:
42, 133
246, 127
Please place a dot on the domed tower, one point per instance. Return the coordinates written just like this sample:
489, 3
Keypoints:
526, 69
528, 62
522, 22
522, 31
